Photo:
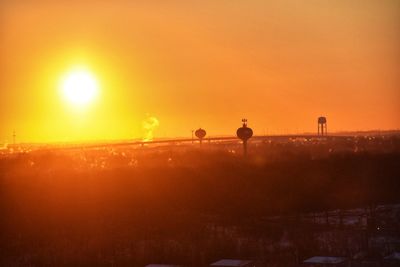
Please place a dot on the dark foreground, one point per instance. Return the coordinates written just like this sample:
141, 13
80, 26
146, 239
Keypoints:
190, 206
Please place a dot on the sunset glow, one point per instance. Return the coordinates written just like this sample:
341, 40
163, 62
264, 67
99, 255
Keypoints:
281, 64
207, 133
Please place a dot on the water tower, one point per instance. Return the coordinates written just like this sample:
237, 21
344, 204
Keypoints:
244, 133
322, 126
200, 133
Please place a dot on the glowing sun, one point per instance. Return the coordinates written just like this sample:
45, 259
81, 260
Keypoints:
79, 87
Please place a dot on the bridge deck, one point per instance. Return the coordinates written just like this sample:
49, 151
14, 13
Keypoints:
207, 139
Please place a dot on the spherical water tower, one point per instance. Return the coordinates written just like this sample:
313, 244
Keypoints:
244, 133
200, 133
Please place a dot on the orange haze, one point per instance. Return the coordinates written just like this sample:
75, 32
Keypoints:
209, 63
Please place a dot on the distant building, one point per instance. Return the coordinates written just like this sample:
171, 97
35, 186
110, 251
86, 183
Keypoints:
392, 260
233, 263
364, 259
325, 261
162, 265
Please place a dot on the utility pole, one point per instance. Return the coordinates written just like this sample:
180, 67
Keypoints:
192, 136
14, 136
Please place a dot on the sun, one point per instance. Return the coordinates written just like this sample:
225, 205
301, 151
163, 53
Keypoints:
79, 87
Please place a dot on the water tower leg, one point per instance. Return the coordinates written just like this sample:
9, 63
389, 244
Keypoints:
245, 148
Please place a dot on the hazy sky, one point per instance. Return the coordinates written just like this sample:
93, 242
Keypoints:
280, 64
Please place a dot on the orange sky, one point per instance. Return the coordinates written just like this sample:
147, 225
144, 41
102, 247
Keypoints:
280, 64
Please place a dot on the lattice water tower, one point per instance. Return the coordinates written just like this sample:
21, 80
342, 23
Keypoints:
322, 126
244, 133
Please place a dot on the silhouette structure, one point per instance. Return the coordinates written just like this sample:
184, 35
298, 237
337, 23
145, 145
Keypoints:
322, 126
200, 133
244, 133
